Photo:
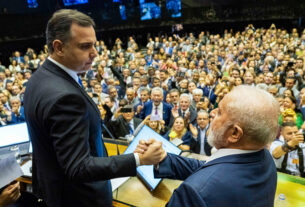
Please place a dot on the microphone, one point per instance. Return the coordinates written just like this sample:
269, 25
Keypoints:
111, 135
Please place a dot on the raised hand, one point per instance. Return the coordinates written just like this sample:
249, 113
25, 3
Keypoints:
297, 138
139, 108
194, 130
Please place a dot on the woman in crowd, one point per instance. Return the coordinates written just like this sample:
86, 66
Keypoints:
289, 105
179, 131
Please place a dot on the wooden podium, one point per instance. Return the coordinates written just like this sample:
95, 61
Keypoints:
134, 192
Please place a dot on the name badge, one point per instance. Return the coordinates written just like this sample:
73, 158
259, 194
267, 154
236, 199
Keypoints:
295, 161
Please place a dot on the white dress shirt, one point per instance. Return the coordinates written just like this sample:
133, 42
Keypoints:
226, 152
71, 72
159, 109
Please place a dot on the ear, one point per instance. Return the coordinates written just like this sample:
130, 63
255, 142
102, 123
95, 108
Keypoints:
58, 47
236, 134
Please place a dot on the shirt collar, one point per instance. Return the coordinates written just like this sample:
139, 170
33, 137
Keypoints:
185, 112
226, 152
71, 72
159, 106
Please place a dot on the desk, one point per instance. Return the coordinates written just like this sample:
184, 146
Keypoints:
134, 192
293, 188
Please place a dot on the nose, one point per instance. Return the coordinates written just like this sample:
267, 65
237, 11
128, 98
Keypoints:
213, 113
93, 53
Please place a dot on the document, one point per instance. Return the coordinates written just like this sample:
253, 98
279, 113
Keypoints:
10, 170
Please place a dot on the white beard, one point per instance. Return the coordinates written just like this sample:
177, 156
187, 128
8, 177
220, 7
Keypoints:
216, 138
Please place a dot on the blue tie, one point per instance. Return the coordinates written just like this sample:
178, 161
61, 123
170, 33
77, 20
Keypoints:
80, 82
130, 129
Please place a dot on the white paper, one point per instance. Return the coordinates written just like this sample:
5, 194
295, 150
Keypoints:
9, 170
26, 168
117, 182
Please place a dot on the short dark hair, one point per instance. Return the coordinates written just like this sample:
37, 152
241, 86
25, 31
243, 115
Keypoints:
59, 25
288, 124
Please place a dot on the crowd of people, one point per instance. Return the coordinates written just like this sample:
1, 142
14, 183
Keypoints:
174, 83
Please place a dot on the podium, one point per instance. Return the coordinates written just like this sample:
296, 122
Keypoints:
134, 192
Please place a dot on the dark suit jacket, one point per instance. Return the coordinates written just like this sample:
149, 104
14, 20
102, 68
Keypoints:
120, 128
208, 91
65, 130
195, 145
233, 181
148, 109
20, 118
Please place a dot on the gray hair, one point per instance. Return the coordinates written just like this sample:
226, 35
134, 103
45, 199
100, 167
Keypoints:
144, 89
59, 25
203, 112
157, 89
197, 91
256, 111
14, 98
185, 95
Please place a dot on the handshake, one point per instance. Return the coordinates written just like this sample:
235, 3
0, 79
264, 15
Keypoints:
150, 152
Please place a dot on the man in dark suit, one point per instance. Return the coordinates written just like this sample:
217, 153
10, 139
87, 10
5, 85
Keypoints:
199, 144
185, 110
70, 163
241, 173
125, 123
156, 106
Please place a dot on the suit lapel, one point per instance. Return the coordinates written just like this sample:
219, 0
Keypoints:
51, 67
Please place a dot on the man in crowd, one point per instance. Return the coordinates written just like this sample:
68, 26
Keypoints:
185, 110
290, 84
17, 110
157, 106
199, 143
132, 100
197, 95
124, 122
288, 151
144, 97
174, 95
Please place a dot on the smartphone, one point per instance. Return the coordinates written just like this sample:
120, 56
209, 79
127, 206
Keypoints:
126, 110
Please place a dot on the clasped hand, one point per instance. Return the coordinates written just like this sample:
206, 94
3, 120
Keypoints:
150, 152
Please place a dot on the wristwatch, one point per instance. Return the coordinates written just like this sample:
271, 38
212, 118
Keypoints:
287, 148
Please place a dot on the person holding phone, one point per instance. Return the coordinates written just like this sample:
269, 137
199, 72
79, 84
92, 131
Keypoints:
288, 151
124, 123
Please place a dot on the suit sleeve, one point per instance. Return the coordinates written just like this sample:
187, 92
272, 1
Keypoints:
68, 126
177, 167
186, 196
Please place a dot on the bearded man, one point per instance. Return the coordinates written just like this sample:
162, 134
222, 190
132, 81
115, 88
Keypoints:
241, 172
